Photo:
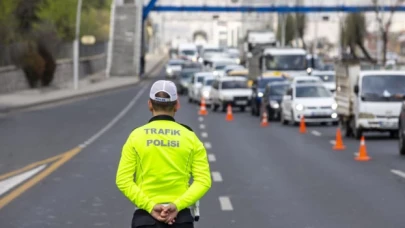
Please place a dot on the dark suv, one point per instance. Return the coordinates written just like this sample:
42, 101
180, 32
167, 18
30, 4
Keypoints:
272, 97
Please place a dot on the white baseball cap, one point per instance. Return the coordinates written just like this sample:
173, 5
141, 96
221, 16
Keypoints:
166, 87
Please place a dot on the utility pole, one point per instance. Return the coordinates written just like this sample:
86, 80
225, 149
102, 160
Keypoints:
76, 47
283, 24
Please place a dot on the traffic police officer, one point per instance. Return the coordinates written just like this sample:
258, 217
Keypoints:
157, 162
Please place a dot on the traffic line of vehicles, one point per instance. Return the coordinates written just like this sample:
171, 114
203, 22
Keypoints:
281, 83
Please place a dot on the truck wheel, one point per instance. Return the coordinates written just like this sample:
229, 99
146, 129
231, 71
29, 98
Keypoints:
394, 134
401, 140
282, 119
345, 128
357, 133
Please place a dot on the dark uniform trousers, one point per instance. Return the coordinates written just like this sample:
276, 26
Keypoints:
142, 219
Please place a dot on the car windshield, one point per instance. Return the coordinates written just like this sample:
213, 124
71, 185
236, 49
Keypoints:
191, 66
263, 82
278, 90
237, 84
383, 88
326, 77
176, 63
286, 62
212, 50
200, 79
220, 67
187, 75
312, 91
209, 82
188, 52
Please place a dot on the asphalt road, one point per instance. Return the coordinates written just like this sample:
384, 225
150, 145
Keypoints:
263, 177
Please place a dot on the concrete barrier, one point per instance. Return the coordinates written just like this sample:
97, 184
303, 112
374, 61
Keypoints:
13, 79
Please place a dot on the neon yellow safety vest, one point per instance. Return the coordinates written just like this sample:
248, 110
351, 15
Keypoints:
162, 155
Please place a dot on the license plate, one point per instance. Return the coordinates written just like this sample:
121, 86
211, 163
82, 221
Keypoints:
240, 102
319, 113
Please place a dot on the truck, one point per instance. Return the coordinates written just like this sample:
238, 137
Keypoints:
287, 62
253, 44
368, 100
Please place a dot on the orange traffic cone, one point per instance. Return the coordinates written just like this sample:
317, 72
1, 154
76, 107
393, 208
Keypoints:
303, 128
229, 115
339, 142
203, 109
264, 122
362, 155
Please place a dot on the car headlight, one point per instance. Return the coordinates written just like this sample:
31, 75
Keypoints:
194, 59
274, 104
260, 94
216, 73
237, 61
206, 93
299, 107
169, 70
334, 106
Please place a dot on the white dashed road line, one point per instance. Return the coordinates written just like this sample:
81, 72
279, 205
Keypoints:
226, 204
333, 142
202, 126
204, 134
211, 158
216, 176
316, 133
201, 119
398, 172
207, 145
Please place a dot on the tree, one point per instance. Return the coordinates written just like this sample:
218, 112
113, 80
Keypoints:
290, 29
353, 34
7, 21
301, 24
384, 26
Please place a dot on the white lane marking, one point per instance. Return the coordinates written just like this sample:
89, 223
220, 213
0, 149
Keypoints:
211, 158
115, 120
226, 204
398, 172
200, 118
333, 142
207, 145
11, 182
202, 126
204, 134
316, 133
216, 176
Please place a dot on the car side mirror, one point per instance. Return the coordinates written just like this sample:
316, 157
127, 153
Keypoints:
356, 89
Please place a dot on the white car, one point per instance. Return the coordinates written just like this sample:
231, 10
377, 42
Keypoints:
173, 67
219, 66
328, 79
205, 89
194, 86
305, 79
312, 100
230, 91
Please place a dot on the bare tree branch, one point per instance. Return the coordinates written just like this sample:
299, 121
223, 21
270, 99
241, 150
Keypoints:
393, 9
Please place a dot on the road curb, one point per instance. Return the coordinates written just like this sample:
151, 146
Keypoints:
9, 109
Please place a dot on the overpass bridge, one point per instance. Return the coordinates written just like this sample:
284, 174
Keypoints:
127, 33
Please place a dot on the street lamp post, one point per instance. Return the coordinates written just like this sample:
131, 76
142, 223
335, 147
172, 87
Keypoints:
76, 47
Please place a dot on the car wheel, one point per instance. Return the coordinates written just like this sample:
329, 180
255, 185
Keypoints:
293, 119
336, 123
252, 110
242, 108
401, 140
282, 118
270, 115
394, 134
223, 107
345, 128
214, 107
356, 132
257, 112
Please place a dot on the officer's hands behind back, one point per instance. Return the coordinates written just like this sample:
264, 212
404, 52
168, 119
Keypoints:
165, 213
